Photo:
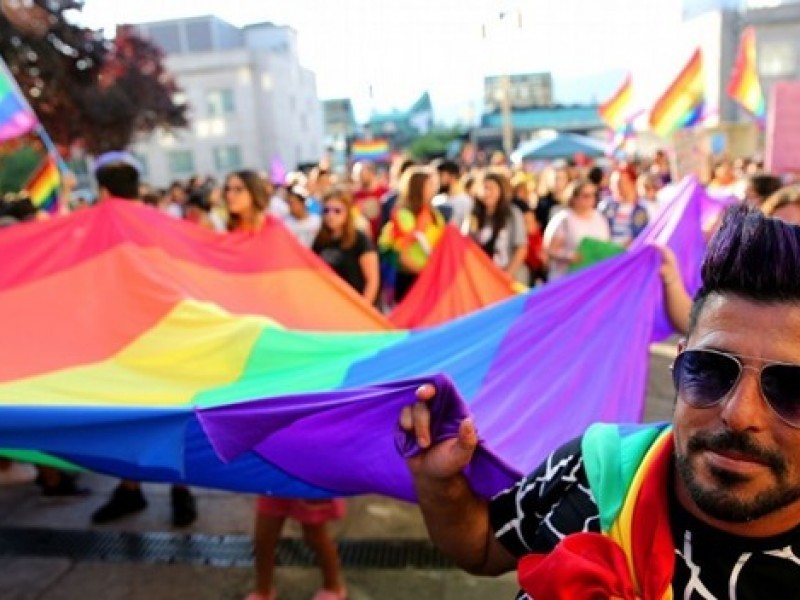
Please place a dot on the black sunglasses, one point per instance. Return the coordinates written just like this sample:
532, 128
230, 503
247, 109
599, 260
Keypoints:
704, 378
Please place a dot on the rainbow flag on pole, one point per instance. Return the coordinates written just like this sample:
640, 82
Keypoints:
44, 184
370, 149
744, 86
615, 111
16, 117
682, 103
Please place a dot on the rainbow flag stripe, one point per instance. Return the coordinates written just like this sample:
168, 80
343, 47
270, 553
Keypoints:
615, 111
15, 118
370, 149
682, 103
744, 86
44, 185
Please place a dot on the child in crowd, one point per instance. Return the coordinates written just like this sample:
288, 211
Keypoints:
313, 515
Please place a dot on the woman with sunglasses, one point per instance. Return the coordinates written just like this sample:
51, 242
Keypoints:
246, 199
346, 249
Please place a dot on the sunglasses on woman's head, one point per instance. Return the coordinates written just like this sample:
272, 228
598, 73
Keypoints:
704, 378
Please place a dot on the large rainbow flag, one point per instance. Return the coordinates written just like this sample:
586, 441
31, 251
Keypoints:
744, 85
177, 355
16, 117
681, 105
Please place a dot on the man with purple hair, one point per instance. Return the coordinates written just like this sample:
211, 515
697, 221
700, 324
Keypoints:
707, 507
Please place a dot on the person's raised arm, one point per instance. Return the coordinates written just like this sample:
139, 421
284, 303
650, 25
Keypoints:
457, 519
677, 301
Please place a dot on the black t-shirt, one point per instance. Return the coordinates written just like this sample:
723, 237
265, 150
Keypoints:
555, 500
345, 261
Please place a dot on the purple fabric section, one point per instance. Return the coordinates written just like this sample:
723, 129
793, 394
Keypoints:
348, 441
578, 356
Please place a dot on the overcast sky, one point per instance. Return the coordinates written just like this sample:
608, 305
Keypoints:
403, 47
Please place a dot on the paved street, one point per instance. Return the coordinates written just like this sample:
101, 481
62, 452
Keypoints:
227, 518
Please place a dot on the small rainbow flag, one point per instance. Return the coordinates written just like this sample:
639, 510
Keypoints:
44, 184
370, 149
681, 105
744, 86
615, 111
16, 117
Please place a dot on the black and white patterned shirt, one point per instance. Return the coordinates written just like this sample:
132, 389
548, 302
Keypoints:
555, 500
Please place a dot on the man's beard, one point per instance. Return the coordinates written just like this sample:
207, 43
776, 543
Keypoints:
444, 188
722, 501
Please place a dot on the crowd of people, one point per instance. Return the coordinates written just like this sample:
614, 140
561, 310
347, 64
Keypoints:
377, 228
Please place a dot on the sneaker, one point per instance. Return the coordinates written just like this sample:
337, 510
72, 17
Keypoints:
184, 507
17, 473
124, 501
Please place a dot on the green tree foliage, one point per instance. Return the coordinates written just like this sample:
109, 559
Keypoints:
85, 89
434, 144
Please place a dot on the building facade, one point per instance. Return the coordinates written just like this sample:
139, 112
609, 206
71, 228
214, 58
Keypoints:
251, 103
525, 90
716, 26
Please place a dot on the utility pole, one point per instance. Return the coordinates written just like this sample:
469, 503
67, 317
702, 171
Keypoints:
507, 19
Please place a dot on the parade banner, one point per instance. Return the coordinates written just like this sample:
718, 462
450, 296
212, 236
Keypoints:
783, 129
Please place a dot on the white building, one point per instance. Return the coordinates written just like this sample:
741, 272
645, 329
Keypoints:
715, 25
251, 103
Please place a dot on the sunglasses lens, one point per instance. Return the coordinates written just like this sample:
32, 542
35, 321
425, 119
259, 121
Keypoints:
704, 378
781, 387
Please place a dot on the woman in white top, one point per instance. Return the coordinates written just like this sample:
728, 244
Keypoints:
580, 219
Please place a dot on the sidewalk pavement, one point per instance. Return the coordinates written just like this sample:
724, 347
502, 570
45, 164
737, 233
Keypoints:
64, 575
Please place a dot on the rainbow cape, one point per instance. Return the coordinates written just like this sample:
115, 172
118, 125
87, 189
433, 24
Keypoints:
681, 105
744, 86
44, 185
173, 354
16, 118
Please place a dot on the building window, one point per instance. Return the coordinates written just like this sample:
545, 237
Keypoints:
227, 158
181, 162
219, 103
777, 59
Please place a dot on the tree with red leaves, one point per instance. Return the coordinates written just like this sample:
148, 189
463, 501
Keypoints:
86, 90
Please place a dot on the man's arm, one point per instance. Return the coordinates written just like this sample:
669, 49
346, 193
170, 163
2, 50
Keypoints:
457, 520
